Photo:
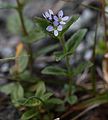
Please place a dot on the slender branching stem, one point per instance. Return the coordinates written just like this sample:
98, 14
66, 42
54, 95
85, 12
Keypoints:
93, 59
62, 41
25, 33
105, 23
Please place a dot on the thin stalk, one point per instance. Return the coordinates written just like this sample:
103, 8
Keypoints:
62, 41
25, 33
105, 23
93, 59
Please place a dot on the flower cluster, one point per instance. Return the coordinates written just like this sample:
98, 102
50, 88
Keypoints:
57, 21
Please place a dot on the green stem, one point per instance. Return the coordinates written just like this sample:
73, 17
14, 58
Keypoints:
62, 41
25, 33
93, 60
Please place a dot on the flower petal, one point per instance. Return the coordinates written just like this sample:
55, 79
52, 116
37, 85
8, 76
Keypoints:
50, 28
59, 28
51, 12
55, 18
62, 22
65, 18
44, 15
56, 23
60, 14
47, 14
50, 17
55, 32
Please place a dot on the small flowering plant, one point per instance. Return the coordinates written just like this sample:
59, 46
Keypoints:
57, 21
57, 25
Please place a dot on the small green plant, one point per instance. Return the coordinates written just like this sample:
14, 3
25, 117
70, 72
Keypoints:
57, 25
30, 93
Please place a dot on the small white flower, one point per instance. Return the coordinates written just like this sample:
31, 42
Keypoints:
57, 21
61, 18
48, 14
54, 29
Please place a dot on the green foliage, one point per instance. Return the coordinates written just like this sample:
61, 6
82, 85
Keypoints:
68, 24
42, 23
81, 67
101, 47
59, 55
75, 40
35, 97
55, 101
7, 89
66, 89
15, 90
72, 99
29, 114
22, 61
17, 93
30, 102
40, 89
54, 70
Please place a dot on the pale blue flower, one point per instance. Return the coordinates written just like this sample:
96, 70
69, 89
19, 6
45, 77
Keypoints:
48, 14
54, 29
57, 21
60, 18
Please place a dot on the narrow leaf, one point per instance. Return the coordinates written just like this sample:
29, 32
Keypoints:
55, 101
40, 89
59, 55
54, 70
30, 102
18, 92
22, 61
7, 89
72, 99
81, 67
43, 23
46, 96
75, 40
68, 24
29, 115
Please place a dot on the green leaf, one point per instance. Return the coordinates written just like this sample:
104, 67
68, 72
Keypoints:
81, 67
68, 24
18, 92
22, 61
24, 76
75, 40
40, 89
59, 55
43, 23
46, 96
54, 70
30, 102
101, 47
72, 99
98, 100
7, 89
55, 101
29, 115
67, 87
